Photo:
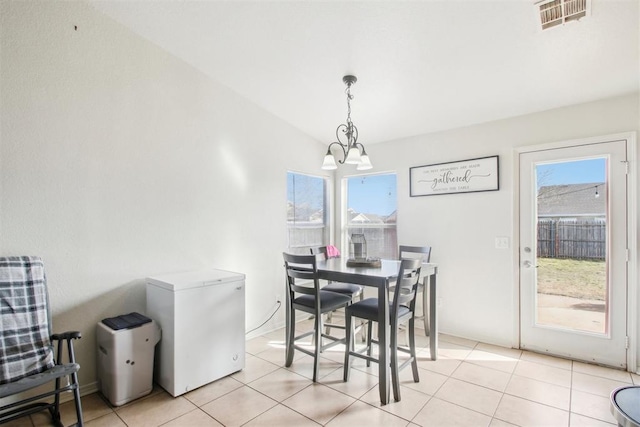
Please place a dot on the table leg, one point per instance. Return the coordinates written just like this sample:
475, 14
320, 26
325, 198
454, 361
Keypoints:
383, 339
425, 304
433, 318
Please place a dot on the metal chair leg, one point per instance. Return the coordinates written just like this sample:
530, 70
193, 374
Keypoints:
349, 346
412, 350
328, 327
395, 375
425, 305
318, 346
291, 333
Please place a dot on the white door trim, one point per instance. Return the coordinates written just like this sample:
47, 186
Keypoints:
632, 240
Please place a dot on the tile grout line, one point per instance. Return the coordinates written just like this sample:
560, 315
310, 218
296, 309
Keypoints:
493, 417
512, 375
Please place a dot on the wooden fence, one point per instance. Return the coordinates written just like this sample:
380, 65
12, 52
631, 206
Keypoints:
575, 239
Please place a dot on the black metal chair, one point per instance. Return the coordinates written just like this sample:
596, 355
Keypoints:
355, 291
401, 311
304, 294
26, 345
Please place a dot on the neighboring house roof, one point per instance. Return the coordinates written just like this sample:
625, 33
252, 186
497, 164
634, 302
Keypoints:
304, 214
368, 218
391, 219
361, 218
572, 200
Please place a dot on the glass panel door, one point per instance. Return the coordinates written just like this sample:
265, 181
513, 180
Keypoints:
573, 240
571, 257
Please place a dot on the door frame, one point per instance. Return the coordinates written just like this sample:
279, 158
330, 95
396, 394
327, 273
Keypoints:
632, 240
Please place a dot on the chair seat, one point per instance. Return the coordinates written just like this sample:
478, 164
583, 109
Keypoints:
329, 301
368, 309
343, 288
36, 380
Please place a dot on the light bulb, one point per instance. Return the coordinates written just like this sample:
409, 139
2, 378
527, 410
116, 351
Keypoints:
329, 162
353, 156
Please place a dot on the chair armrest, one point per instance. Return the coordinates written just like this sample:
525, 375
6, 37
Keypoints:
66, 336
70, 335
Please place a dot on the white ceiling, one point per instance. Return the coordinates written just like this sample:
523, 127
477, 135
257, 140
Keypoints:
422, 66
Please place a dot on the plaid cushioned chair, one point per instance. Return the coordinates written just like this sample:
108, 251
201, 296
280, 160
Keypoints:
26, 351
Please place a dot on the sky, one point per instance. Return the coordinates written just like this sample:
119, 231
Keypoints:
572, 172
305, 190
374, 194
377, 194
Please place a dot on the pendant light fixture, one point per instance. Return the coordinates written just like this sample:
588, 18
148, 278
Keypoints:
353, 152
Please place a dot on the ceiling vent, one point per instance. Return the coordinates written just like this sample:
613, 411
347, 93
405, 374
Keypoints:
552, 13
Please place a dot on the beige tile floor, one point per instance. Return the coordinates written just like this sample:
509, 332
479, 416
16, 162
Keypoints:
471, 384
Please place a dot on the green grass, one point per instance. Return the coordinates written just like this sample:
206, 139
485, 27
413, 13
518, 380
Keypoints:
573, 278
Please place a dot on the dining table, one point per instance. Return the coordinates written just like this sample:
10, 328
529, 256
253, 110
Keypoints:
381, 278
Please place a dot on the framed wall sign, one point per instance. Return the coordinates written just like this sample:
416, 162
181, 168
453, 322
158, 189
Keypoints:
464, 176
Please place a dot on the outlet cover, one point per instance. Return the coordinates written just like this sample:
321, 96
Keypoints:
502, 243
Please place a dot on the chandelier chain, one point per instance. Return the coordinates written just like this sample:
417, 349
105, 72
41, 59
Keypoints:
349, 98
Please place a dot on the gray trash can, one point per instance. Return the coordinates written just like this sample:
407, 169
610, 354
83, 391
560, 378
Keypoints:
126, 347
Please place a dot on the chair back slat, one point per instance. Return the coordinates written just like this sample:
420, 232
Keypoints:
320, 252
421, 252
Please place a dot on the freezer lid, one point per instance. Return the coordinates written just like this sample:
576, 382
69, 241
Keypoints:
194, 279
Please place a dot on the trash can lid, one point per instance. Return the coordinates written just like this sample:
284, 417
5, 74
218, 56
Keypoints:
126, 321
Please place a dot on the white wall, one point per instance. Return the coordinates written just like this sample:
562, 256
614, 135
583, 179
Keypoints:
118, 161
477, 281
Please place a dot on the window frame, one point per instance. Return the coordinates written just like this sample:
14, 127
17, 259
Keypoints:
345, 226
326, 218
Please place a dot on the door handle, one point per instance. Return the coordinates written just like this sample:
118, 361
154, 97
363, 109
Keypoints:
527, 264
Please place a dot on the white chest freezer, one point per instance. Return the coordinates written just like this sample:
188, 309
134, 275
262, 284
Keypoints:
202, 317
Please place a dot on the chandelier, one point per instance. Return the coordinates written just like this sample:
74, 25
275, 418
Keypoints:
353, 152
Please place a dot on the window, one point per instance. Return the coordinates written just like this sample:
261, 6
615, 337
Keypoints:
372, 210
306, 212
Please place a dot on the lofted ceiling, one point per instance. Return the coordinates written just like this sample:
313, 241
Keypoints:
422, 66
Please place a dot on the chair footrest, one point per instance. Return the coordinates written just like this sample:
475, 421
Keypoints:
333, 325
24, 410
363, 356
304, 350
405, 363
303, 335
